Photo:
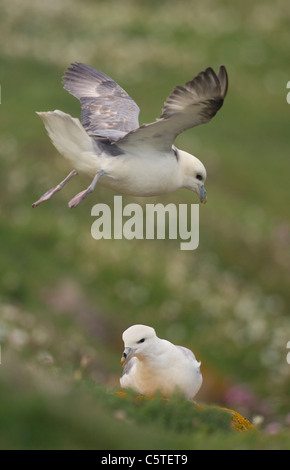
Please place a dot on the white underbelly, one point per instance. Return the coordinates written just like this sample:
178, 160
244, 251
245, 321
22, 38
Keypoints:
141, 176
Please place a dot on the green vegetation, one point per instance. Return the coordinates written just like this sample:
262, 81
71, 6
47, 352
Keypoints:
66, 298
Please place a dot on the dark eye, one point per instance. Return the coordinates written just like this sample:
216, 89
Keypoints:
199, 177
141, 341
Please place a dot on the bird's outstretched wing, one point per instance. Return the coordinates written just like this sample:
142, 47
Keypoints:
187, 106
107, 110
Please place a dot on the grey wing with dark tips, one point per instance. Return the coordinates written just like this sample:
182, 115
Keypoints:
107, 110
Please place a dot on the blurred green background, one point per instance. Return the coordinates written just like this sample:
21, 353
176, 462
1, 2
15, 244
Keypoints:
65, 298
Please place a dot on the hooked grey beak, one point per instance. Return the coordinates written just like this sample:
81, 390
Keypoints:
126, 353
202, 194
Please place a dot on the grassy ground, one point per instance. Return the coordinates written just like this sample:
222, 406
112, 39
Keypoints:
65, 298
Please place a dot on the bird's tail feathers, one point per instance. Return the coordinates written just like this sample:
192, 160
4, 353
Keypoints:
67, 134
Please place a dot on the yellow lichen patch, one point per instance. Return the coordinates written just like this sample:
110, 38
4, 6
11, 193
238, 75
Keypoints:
121, 394
238, 422
138, 397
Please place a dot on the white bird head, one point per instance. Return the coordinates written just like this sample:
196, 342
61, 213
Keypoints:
138, 340
193, 174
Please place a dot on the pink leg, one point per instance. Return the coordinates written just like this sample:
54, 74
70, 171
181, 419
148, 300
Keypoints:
57, 188
80, 196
